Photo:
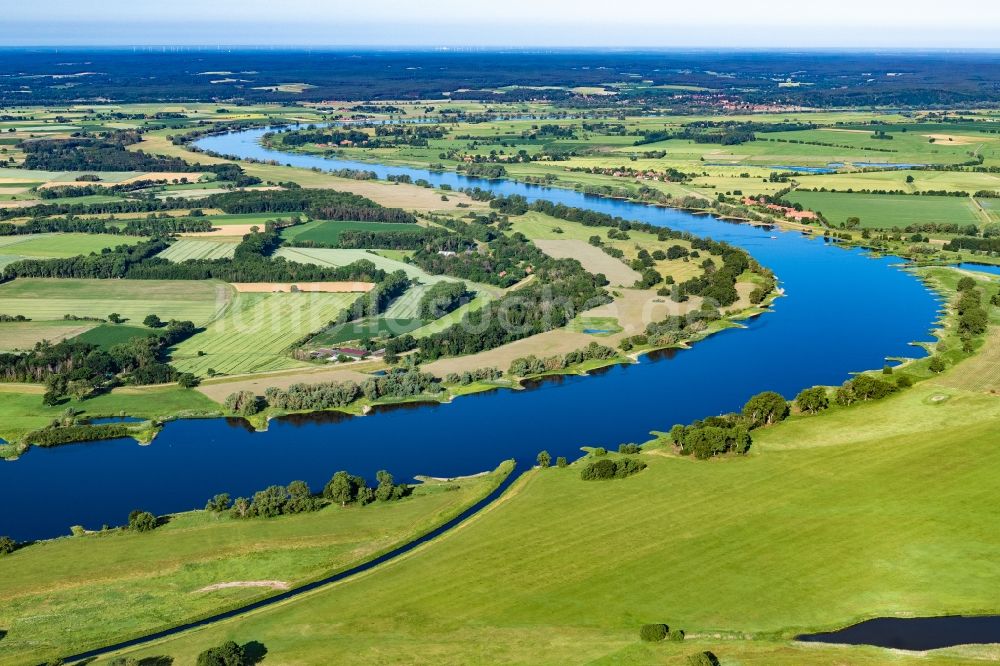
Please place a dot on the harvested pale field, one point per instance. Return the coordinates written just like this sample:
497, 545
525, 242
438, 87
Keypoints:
331, 287
635, 308
549, 343
594, 259
337, 258
226, 230
957, 139
218, 390
841, 129
24, 335
168, 176
980, 372
193, 248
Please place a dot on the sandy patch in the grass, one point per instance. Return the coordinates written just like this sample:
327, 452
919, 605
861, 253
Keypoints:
220, 390
332, 287
272, 584
956, 139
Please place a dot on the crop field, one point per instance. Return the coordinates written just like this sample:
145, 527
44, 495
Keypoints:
24, 335
324, 231
593, 259
256, 330
61, 245
122, 582
407, 306
782, 541
107, 336
50, 299
196, 248
333, 257
951, 181
886, 211
365, 328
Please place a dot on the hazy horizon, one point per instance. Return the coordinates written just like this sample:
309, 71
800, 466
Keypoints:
645, 24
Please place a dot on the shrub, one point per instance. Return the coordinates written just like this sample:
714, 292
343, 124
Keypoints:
629, 448
675, 635
141, 521
705, 658
561, 461
607, 468
7, 545
812, 400
544, 459
227, 654
765, 409
936, 364
903, 381
653, 632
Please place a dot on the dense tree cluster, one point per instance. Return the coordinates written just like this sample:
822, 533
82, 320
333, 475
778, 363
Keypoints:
317, 203
400, 383
106, 153
470, 376
972, 317
346, 489
863, 388
729, 433
531, 365
608, 468
441, 298
271, 502
326, 395
78, 368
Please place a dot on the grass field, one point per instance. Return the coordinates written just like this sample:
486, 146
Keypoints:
24, 335
332, 257
194, 248
365, 328
100, 587
324, 231
107, 336
887, 211
407, 306
50, 299
256, 330
855, 513
34, 246
22, 411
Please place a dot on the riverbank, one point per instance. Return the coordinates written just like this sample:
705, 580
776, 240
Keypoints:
97, 588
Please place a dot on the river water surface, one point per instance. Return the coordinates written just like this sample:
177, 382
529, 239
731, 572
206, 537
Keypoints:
843, 312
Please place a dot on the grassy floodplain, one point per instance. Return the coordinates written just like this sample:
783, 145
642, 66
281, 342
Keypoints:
889, 211
100, 587
741, 553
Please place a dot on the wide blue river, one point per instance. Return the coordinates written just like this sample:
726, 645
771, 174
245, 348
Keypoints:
843, 312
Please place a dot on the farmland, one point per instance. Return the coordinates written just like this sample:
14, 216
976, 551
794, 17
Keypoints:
60, 245
191, 248
320, 231
256, 330
105, 584
889, 211
51, 299
827, 575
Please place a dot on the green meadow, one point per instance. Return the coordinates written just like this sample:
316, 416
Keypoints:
761, 547
888, 211
328, 232
100, 587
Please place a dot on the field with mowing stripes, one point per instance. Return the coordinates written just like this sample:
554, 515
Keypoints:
324, 231
24, 335
61, 245
407, 306
328, 257
49, 299
888, 210
192, 248
255, 331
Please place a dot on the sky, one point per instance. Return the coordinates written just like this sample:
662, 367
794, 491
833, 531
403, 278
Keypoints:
512, 23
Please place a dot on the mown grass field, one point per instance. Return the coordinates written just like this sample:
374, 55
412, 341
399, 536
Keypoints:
365, 328
50, 299
884, 509
194, 248
256, 330
336, 257
24, 335
22, 411
888, 210
37, 246
107, 336
407, 306
102, 587
325, 231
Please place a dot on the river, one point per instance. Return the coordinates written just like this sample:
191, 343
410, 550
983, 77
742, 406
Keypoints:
843, 312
